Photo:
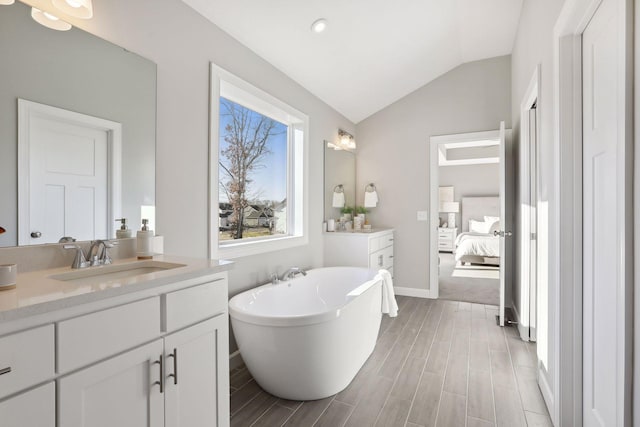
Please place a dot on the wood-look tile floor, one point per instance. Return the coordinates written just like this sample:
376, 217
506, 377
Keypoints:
439, 363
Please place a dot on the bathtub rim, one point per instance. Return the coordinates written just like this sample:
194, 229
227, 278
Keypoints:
238, 314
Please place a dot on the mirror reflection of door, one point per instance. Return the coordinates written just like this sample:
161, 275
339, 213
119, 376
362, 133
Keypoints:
67, 162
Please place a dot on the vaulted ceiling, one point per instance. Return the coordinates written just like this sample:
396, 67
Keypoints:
373, 52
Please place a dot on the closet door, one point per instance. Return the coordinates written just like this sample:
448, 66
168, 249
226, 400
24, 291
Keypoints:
604, 211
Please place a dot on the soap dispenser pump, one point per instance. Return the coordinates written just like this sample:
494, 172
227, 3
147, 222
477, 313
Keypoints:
123, 232
145, 241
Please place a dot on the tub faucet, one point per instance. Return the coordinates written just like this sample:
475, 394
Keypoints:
291, 273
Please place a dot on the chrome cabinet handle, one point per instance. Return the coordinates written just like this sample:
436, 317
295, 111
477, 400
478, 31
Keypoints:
159, 382
175, 366
380, 261
502, 233
5, 370
36, 234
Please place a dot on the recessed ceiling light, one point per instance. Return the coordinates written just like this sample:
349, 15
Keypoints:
6, 2
319, 25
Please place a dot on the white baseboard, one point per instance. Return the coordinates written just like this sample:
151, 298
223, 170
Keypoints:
412, 292
545, 389
522, 330
235, 360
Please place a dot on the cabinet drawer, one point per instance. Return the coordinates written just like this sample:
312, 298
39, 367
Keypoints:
33, 408
381, 242
381, 259
188, 306
87, 339
26, 358
445, 246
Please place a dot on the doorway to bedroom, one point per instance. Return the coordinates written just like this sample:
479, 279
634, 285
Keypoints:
471, 218
469, 213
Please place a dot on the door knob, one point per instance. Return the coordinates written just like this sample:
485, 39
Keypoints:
36, 234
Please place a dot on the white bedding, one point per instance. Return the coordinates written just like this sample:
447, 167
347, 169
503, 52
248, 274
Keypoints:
478, 244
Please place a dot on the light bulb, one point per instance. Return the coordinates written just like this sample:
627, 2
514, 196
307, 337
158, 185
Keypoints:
319, 25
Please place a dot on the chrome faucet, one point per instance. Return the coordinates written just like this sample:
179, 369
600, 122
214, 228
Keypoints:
291, 273
102, 253
79, 261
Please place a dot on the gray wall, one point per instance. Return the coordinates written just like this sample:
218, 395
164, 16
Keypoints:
182, 44
533, 47
470, 181
75, 71
393, 151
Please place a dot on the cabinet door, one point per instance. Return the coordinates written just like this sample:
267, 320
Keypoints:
121, 391
35, 408
197, 375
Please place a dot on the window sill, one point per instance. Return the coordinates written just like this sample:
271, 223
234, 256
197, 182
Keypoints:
256, 247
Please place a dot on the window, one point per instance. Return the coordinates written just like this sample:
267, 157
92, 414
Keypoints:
258, 174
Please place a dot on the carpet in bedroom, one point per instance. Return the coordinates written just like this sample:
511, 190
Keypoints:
470, 283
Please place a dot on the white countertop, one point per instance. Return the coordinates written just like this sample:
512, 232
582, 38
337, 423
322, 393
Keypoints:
373, 231
37, 293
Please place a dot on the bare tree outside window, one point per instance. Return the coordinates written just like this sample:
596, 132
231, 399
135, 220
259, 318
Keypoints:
253, 152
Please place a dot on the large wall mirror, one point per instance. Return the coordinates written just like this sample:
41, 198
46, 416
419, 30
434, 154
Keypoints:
339, 170
77, 133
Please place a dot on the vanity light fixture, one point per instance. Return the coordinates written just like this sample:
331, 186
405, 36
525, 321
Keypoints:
319, 25
7, 2
82, 9
49, 20
346, 141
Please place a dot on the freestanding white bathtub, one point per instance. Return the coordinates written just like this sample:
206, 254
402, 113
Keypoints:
306, 338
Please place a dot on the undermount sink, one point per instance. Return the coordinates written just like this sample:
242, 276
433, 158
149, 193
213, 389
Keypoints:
106, 273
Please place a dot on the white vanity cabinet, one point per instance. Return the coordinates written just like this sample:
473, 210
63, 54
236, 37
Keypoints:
35, 408
155, 358
372, 250
120, 391
170, 382
197, 362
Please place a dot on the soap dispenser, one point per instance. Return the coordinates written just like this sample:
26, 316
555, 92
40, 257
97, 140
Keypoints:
123, 232
145, 241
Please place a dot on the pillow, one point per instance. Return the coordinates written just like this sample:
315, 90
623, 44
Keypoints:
494, 227
491, 219
478, 227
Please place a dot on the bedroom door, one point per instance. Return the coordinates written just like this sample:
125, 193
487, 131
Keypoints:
504, 225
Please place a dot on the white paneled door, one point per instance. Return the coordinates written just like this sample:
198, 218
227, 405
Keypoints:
504, 224
68, 181
603, 289
69, 175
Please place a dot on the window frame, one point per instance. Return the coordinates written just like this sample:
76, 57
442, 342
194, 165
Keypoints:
227, 85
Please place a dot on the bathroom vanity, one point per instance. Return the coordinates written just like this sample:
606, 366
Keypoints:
359, 249
137, 345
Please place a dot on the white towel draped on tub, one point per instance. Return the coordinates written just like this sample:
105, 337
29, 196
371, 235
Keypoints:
389, 304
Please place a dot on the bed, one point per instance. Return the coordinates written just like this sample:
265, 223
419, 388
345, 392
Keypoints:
478, 245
